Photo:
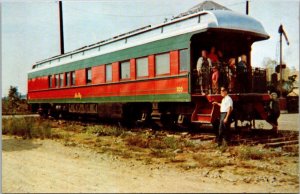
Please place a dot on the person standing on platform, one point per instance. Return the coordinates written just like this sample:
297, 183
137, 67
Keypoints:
203, 68
212, 55
215, 80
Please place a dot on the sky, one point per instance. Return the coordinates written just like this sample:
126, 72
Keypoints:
30, 29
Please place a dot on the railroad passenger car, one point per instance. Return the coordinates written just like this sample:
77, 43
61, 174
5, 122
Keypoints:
149, 74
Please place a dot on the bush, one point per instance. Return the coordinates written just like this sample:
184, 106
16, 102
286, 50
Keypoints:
26, 127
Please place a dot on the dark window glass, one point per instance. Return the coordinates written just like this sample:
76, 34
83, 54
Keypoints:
73, 78
183, 56
50, 81
142, 67
88, 75
68, 79
162, 64
56, 80
108, 73
61, 80
125, 70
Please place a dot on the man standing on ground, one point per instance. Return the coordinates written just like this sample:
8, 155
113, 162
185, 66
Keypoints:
226, 107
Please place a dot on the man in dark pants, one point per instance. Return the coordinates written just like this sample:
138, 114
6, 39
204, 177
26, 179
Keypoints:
226, 107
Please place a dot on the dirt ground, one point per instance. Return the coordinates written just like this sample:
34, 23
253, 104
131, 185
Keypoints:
49, 166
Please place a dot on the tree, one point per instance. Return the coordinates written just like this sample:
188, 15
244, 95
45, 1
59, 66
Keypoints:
13, 99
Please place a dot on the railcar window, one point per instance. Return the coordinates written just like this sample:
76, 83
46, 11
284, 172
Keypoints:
108, 73
50, 81
61, 80
88, 75
183, 57
73, 78
142, 67
68, 79
162, 64
56, 80
125, 70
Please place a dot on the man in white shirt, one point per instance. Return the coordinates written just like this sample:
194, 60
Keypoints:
225, 110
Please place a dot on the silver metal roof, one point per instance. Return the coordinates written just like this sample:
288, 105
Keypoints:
233, 20
222, 19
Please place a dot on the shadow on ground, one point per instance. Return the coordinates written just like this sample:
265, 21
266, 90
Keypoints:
14, 144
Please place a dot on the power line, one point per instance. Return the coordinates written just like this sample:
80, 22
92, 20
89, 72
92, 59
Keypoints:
118, 15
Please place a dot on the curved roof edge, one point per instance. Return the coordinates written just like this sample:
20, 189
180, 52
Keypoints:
236, 21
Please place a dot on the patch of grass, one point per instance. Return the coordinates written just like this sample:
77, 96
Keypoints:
137, 141
103, 130
188, 144
26, 127
41, 130
162, 153
205, 160
171, 142
245, 152
157, 144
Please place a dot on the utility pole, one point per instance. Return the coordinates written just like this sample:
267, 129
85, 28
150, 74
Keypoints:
247, 7
281, 31
61, 28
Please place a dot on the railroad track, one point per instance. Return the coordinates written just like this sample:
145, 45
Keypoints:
268, 140
252, 137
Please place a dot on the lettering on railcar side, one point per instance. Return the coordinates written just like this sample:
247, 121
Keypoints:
179, 89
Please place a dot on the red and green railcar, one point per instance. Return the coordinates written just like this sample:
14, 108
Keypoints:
148, 74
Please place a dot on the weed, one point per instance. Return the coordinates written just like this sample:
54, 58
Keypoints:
162, 153
69, 128
157, 144
205, 160
188, 143
252, 152
41, 130
137, 141
102, 130
171, 142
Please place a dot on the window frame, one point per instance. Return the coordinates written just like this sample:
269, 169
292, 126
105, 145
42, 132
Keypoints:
61, 80
88, 74
56, 82
136, 67
187, 64
111, 75
120, 66
50, 81
73, 79
155, 64
68, 79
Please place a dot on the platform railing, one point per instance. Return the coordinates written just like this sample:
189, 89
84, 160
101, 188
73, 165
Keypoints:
253, 81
